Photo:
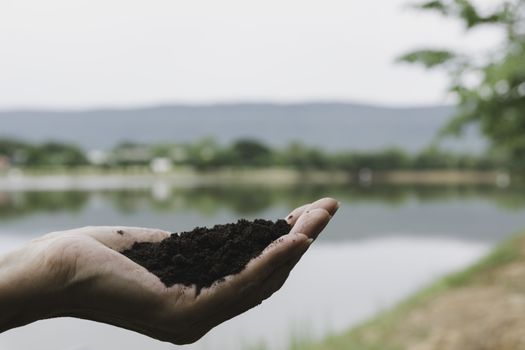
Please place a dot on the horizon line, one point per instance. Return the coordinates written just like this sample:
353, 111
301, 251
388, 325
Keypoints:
261, 102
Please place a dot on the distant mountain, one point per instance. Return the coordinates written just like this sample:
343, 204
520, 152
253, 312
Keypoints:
332, 126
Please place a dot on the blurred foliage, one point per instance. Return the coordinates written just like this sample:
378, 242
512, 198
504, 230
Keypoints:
490, 87
46, 154
207, 154
20, 204
250, 152
130, 153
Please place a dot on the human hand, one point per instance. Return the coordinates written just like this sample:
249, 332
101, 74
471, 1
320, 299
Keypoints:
81, 273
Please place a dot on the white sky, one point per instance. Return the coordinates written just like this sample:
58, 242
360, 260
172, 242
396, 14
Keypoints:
86, 53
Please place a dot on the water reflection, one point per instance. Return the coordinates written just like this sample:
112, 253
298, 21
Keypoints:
480, 213
247, 200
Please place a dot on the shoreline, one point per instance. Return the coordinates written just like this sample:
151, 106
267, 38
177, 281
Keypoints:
482, 306
275, 177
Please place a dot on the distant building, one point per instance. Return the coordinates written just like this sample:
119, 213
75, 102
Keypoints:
161, 165
97, 157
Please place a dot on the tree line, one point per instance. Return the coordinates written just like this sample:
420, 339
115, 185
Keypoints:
207, 154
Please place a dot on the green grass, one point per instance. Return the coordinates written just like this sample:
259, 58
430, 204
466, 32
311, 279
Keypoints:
383, 326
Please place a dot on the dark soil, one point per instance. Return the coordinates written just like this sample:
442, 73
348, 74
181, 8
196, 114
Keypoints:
205, 255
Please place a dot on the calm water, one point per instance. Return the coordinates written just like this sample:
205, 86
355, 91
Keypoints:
384, 244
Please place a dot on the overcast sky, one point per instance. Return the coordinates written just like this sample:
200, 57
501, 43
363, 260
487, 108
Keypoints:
87, 53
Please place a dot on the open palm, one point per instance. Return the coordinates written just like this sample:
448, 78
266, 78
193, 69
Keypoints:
98, 283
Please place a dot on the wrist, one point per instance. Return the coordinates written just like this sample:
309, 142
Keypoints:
30, 288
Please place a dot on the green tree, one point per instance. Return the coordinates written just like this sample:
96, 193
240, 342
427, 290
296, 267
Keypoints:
251, 152
490, 89
129, 153
205, 154
302, 157
55, 154
17, 151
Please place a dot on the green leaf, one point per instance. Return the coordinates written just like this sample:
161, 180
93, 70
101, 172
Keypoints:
432, 5
428, 58
468, 13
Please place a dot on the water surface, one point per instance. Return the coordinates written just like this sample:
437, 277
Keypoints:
384, 244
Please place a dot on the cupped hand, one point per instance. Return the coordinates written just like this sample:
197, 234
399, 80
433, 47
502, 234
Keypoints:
82, 274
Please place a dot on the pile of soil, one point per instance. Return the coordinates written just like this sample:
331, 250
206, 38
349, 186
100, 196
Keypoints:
205, 255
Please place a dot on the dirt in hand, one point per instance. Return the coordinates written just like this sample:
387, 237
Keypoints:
205, 255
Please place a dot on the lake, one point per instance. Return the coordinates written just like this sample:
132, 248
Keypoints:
385, 243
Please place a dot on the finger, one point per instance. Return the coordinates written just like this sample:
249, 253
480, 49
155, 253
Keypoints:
272, 284
280, 251
296, 213
122, 237
312, 222
234, 287
276, 280
329, 204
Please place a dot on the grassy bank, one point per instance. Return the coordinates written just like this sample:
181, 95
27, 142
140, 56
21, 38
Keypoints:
482, 307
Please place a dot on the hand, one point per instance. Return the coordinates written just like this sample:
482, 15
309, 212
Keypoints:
80, 273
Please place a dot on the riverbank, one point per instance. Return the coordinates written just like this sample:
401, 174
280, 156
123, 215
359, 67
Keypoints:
141, 177
482, 307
